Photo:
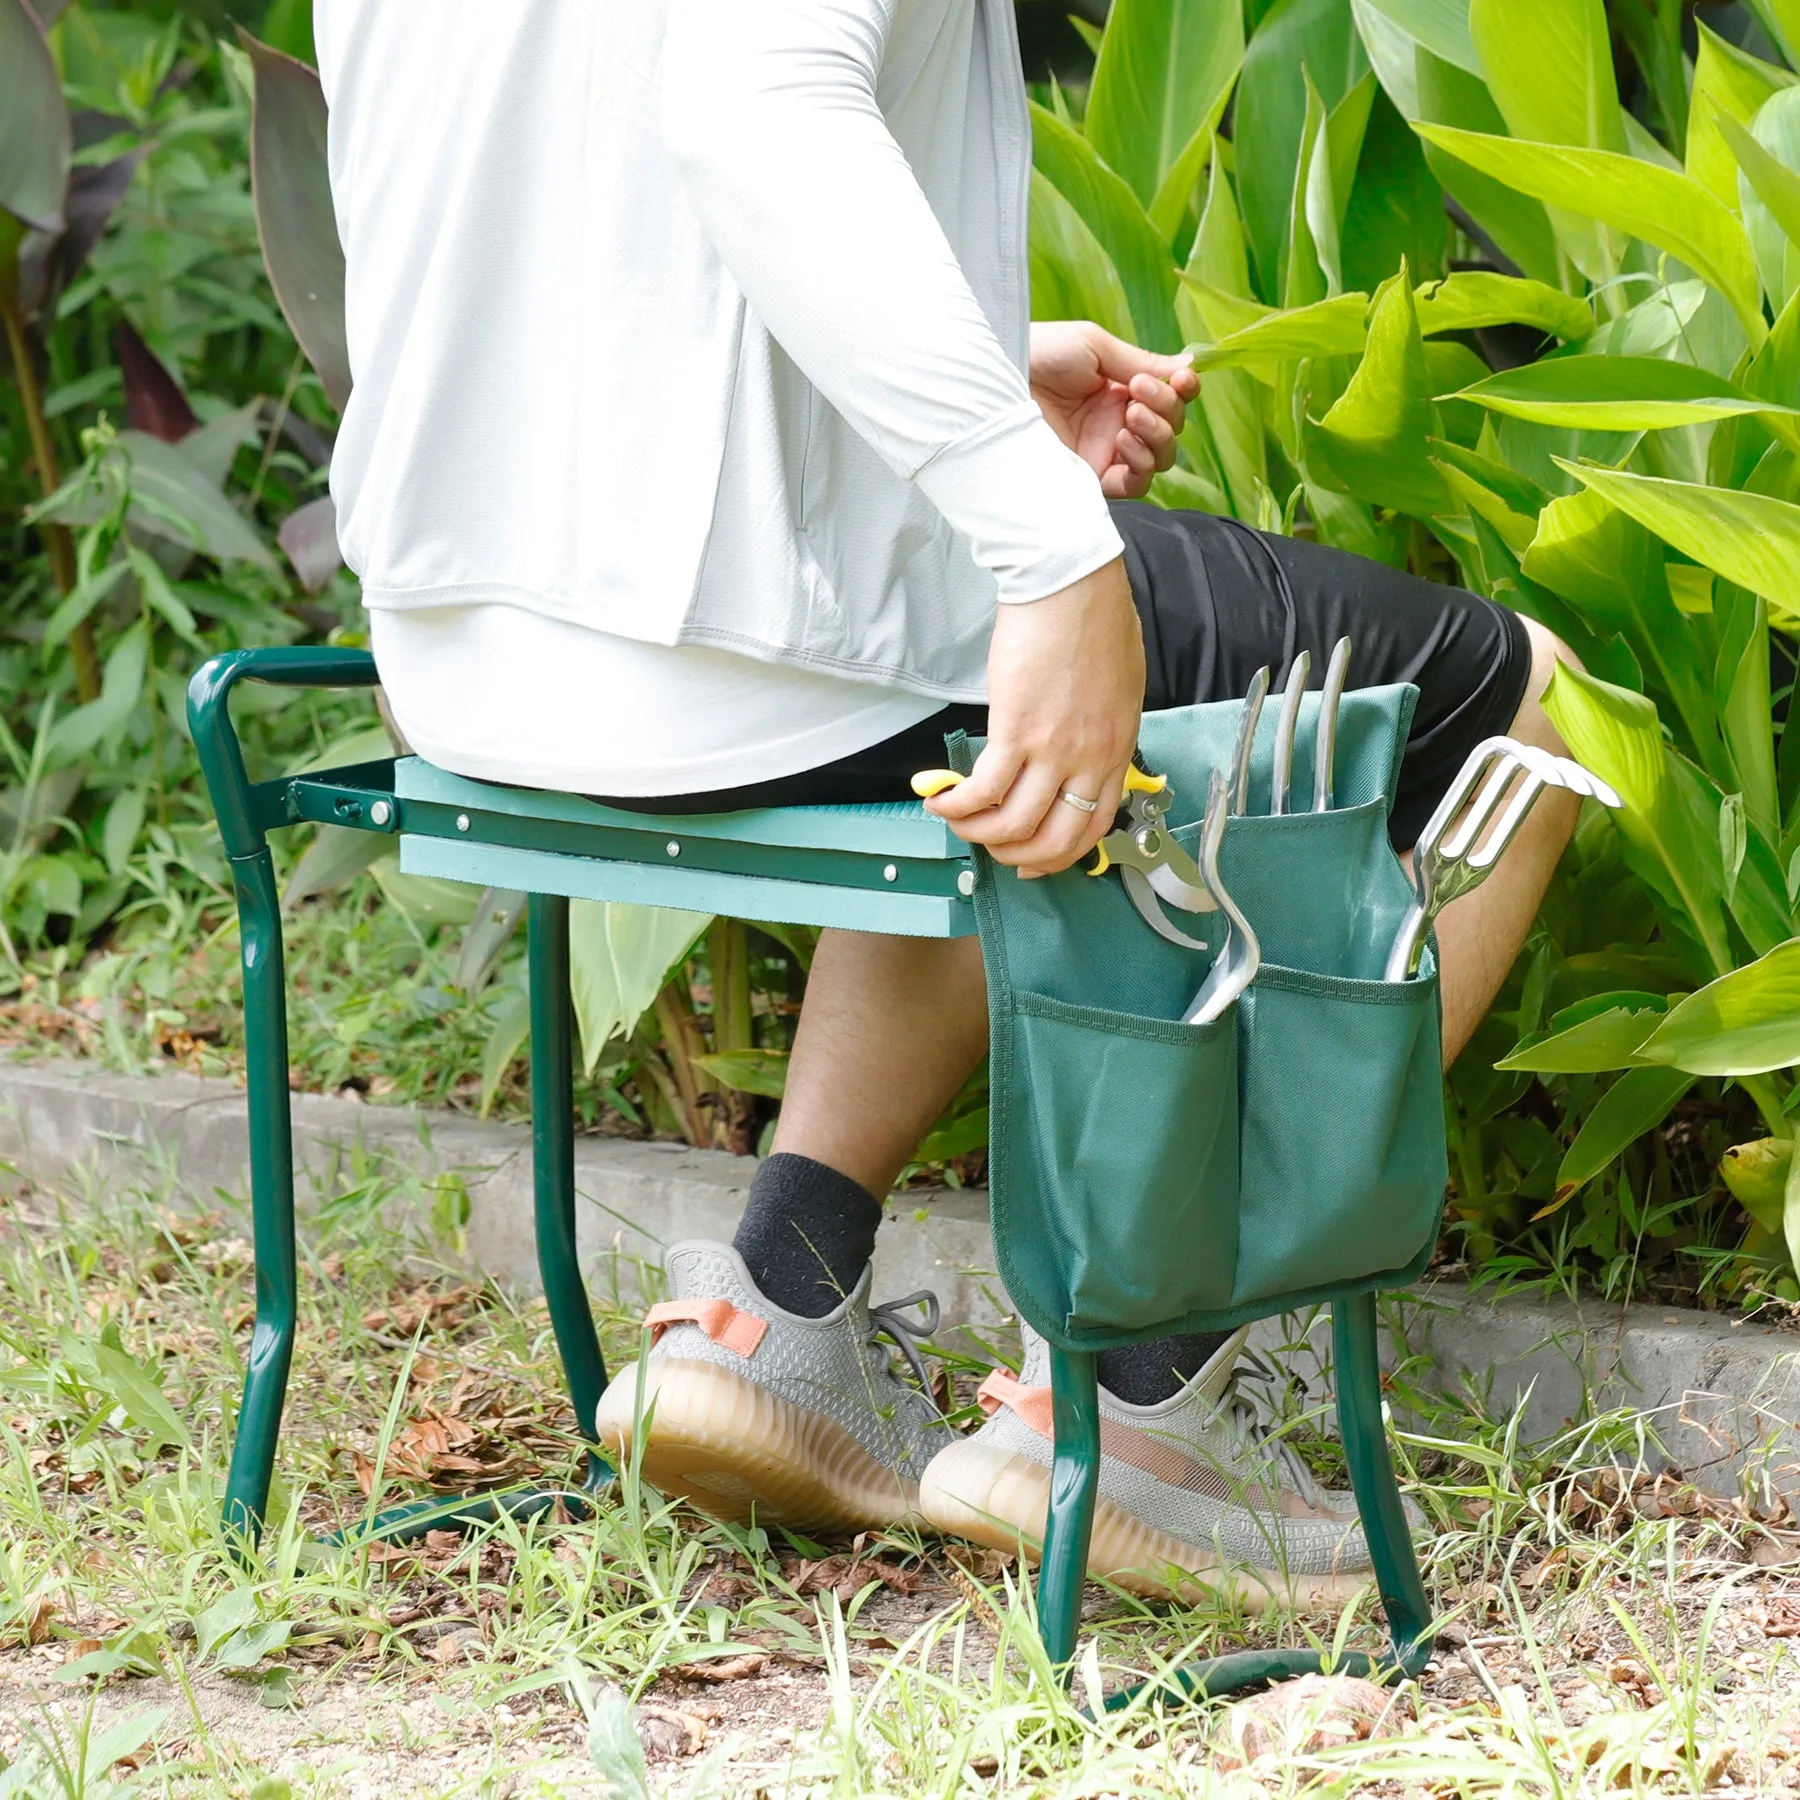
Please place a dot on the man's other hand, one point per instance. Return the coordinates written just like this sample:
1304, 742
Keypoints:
1065, 689
1118, 408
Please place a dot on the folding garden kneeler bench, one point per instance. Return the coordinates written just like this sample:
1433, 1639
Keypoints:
1148, 1177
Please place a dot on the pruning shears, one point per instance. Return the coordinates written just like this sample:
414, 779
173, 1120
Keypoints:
1153, 867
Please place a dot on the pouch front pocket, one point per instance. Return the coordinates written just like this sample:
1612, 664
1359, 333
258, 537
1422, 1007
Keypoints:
1120, 1136
1343, 1167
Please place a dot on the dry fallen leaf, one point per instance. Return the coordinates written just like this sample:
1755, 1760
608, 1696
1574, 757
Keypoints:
1303, 1717
721, 1668
666, 1731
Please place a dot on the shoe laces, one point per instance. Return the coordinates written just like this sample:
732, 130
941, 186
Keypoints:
888, 1321
1253, 1401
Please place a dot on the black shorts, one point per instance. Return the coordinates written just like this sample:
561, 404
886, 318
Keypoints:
1218, 600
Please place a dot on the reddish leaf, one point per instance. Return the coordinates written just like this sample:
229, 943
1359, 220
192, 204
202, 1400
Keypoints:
154, 402
35, 141
309, 536
294, 217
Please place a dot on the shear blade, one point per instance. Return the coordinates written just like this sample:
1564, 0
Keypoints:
1143, 897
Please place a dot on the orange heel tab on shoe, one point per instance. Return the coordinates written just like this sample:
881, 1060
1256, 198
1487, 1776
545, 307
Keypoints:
738, 1332
1032, 1404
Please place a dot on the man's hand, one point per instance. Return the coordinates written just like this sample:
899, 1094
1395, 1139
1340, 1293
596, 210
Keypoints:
1065, 689
1118, 408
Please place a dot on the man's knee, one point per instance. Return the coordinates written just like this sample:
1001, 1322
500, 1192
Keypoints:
1530, 723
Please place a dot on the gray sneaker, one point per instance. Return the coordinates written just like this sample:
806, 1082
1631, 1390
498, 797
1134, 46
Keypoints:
1194, 1492
750, 1409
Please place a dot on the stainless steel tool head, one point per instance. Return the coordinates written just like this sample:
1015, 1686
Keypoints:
1285, 727
1257, 693
1337, 675
1240, 955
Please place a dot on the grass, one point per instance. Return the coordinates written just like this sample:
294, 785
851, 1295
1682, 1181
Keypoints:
1602, 1633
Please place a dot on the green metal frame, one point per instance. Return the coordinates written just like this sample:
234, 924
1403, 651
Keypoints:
886, 869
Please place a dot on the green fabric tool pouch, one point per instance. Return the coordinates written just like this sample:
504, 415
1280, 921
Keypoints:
1148, 1176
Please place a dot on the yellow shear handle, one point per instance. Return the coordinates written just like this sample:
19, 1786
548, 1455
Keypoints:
929, 783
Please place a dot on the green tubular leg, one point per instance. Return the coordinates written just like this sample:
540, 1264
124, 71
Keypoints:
265, 1032
1074, 1483
1358, 1370
553, 1165
1358, 1365
271, 1197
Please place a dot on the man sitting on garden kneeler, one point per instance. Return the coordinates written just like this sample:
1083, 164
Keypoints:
702, 457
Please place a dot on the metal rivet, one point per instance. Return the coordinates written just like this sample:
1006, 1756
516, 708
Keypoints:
965, 883
890, 873
673, 847
462, 821
380, 813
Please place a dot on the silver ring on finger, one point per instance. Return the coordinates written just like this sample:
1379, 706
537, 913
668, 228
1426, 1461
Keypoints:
1071, 798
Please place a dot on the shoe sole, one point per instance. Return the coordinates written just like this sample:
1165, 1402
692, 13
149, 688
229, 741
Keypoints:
1001, 1499
735, 1450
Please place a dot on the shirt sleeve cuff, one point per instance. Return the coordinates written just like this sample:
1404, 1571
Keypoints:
1030, 508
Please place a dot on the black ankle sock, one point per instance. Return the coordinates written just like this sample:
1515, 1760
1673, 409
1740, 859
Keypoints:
807, 1234
1146, 1374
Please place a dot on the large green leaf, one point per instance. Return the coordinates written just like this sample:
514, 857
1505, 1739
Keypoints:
1637, 1102
1113, 213
1163, 76
1664, 208
1618, 735
1548, 64
34, 128
1072, 277
1549, 67
1607, 1040
1768, 153
619, 958
1296, 39
1781, 19
1442, 26
1395, 212
1731, 82
1752, 539
1615, 393
1378, 434
294, 216
1471, 299
1261, 339
1745, 1023
1518, 226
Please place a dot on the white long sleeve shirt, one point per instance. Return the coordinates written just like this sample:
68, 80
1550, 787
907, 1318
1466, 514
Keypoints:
700, 324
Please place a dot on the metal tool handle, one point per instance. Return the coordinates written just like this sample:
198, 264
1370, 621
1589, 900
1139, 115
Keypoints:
1409, 946
1337, 674
1285, 726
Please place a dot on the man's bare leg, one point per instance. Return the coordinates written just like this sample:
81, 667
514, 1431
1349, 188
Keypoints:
893, 1026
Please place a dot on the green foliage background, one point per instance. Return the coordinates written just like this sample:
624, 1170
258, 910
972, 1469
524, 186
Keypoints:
1502, 291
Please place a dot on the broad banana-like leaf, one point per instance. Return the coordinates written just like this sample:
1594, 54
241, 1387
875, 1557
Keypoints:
1752, 539
1637, 1102
1757, 1175
1767, 153
1745, 1023
1729, 82
1072, 277
619, 958
1442, 26
1330, 176
1515, 529
1164, 73
497, 916
748, 1071
1618, 735
1518, 226
1393, 54
1619, 393
1378, 434
1396, 208
1549, 66
1471, 299
1742, 697
1261, 339
1606, 1039
1296, 40
425, 899
35, 144
1309, 254
1781, 20
308, 536
154, 402
1113, 213
291, 183
1664, 208
1170, 208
